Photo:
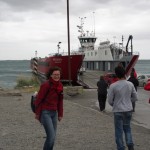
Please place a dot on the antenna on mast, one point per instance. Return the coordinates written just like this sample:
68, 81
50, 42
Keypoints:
36, 53
94, 21
80, 27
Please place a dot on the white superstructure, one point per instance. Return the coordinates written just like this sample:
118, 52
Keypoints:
104, 51
107, 55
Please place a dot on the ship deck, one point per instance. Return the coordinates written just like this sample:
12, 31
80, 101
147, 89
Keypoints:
89, 78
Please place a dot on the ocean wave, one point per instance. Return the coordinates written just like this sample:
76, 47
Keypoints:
14, 71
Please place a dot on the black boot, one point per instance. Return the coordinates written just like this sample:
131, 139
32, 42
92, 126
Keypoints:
130, 147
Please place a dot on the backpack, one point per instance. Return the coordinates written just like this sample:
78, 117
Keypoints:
33, 98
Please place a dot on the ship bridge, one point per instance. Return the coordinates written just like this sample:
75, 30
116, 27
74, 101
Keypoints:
87, 42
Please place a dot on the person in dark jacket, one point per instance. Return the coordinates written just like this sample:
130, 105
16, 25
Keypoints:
102, 93
49, 106
135, 82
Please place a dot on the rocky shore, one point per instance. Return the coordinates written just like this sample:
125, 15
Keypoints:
82, 128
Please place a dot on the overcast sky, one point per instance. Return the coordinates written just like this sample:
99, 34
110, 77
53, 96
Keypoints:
27, 26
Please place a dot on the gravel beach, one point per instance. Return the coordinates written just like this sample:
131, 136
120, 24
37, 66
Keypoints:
82, 128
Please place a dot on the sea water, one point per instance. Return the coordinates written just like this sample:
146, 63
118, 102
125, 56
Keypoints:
12, 70
143, 67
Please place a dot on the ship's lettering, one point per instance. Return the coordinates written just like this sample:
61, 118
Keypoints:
57, 60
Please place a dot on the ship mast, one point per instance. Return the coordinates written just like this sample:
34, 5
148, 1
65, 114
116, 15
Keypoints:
58, 46
87, 41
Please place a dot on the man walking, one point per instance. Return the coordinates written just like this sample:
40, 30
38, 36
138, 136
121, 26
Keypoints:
135, 82
120, 95
102, 93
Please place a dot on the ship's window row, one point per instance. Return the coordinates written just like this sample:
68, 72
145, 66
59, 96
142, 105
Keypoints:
91, 53
87, 40
103, 47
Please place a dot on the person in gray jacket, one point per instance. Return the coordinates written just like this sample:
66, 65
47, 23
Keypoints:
121, 94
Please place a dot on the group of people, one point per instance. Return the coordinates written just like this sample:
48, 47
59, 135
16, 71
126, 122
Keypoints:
103, 86
122, 96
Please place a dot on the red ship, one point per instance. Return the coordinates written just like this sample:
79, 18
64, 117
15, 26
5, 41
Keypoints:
41, 66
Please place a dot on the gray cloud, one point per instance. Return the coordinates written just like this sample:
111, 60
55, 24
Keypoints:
25, 5
44, 21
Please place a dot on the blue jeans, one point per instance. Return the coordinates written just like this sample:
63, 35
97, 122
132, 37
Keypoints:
49, 121
122, 122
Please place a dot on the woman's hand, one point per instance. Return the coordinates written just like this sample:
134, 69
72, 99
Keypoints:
59, 118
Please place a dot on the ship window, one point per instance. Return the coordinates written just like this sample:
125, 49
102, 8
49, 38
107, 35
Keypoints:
96, 65
105, 52
108, 65
95, 53
88, 54
91, 53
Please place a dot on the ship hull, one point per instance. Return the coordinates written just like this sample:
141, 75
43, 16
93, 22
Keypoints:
41, 66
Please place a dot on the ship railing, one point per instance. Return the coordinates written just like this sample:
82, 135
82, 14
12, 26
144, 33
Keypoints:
136, 53
66, 53
131, 53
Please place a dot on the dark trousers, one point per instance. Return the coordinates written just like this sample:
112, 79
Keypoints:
133, 105
102, 101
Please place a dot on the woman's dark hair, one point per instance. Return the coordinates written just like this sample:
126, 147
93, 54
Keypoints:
120, 72
101, 77
52, 69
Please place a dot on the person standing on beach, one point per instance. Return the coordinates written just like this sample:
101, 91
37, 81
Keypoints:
120, 95
135, 82
49, 104
102, 93
134, 72
147, 88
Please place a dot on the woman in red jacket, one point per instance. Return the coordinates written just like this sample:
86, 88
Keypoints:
49, 106
147, 88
